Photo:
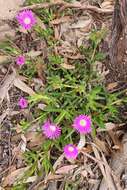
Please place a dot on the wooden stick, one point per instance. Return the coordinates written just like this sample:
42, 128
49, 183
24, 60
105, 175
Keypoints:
66, 5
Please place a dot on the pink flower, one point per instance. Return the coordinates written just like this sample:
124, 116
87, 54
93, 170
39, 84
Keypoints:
82, 124
26, 19
23, 103
51, 130
20, 60
70, 151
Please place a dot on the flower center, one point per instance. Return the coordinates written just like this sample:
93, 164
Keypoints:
83, 122
71, 149
52, 128
27, 20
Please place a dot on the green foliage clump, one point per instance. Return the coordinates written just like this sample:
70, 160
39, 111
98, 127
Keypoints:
68, 92
71, 92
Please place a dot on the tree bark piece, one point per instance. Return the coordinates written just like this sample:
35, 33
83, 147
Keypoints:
118, 45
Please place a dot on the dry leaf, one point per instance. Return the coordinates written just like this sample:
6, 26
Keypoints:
33, 53
31, 179
77, 3
115, 139
23, 143
60, 20
118, 165
66, 169
93, 181
41, 106
18, 129
53, 177
8, 83
116, 147
108, 127
14, 176
101, 145
67, 66
111, 85
80, 42
40, 67
87, 149
78, 56
4, 114
3, 58
107, 4
84, 173
81, 24
22, 86
97, 155
56, 33
52, 185
34, 139
101, 166
106, 171
56, 164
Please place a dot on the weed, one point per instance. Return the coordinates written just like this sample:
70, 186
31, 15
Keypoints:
69, 93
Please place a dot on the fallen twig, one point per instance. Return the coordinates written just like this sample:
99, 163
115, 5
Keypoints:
66, 5
43, 5
3, 116
86, 7
106, 170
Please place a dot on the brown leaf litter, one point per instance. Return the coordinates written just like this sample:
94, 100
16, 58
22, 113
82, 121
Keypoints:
14, 176
10, 80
